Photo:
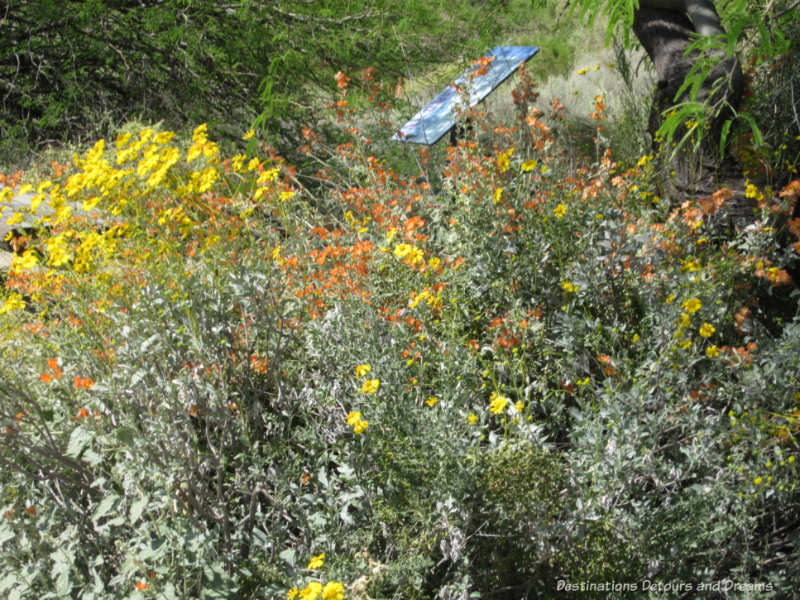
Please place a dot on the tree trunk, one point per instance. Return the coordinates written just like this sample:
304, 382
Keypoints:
666, 28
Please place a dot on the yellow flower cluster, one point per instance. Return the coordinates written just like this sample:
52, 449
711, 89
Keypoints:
504, 160
569, 287
356, 421
692, 305
370, 386
13, 302
498, 403
408, 253
316, 562
333, 590
430, 299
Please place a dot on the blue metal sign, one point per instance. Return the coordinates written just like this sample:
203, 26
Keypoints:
438, 117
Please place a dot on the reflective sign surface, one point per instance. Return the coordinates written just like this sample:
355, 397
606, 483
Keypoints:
439, 116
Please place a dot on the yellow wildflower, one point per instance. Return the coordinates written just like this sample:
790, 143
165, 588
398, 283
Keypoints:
250, 133
569, 287
432, 401
560, 210
692, 305
28, 260
707, 330
503, 160
370, 386
13, 302
268, 175
17, 217
498, 194
317, 561
333, 590
472, 418
122, 140
292, 593
311, 591
712, 351
200, 133
164, 137
498, 403
362, 370
529, 165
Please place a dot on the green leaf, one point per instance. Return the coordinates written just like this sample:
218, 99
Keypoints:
137, 508
105, 506
78, 440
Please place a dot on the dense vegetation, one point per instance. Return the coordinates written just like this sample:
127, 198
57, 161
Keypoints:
73, 72
512, 368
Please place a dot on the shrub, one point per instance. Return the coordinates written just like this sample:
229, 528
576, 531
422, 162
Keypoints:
536, 372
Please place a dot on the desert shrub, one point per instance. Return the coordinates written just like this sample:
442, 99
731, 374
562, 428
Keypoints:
232, 385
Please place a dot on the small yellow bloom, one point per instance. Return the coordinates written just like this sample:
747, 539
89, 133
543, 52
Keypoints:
503, 160
333, 590
403, 250
519, 405
569, 287
684, 320
13, 302
17, 217
360, 427
712, 351
250, 133
498, 195
122, 140
432, 401
670, 299
560, 210
758, 480
362, 370
286, 195
200, 132
164, 137
353, 418
292, 593
529, 165
370, 386
311, 591
692, 305
28, 260
472, 418
317, 561
498, 403
582, 71
707, 330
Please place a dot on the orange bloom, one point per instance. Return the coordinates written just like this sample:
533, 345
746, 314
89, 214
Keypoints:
83, 382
